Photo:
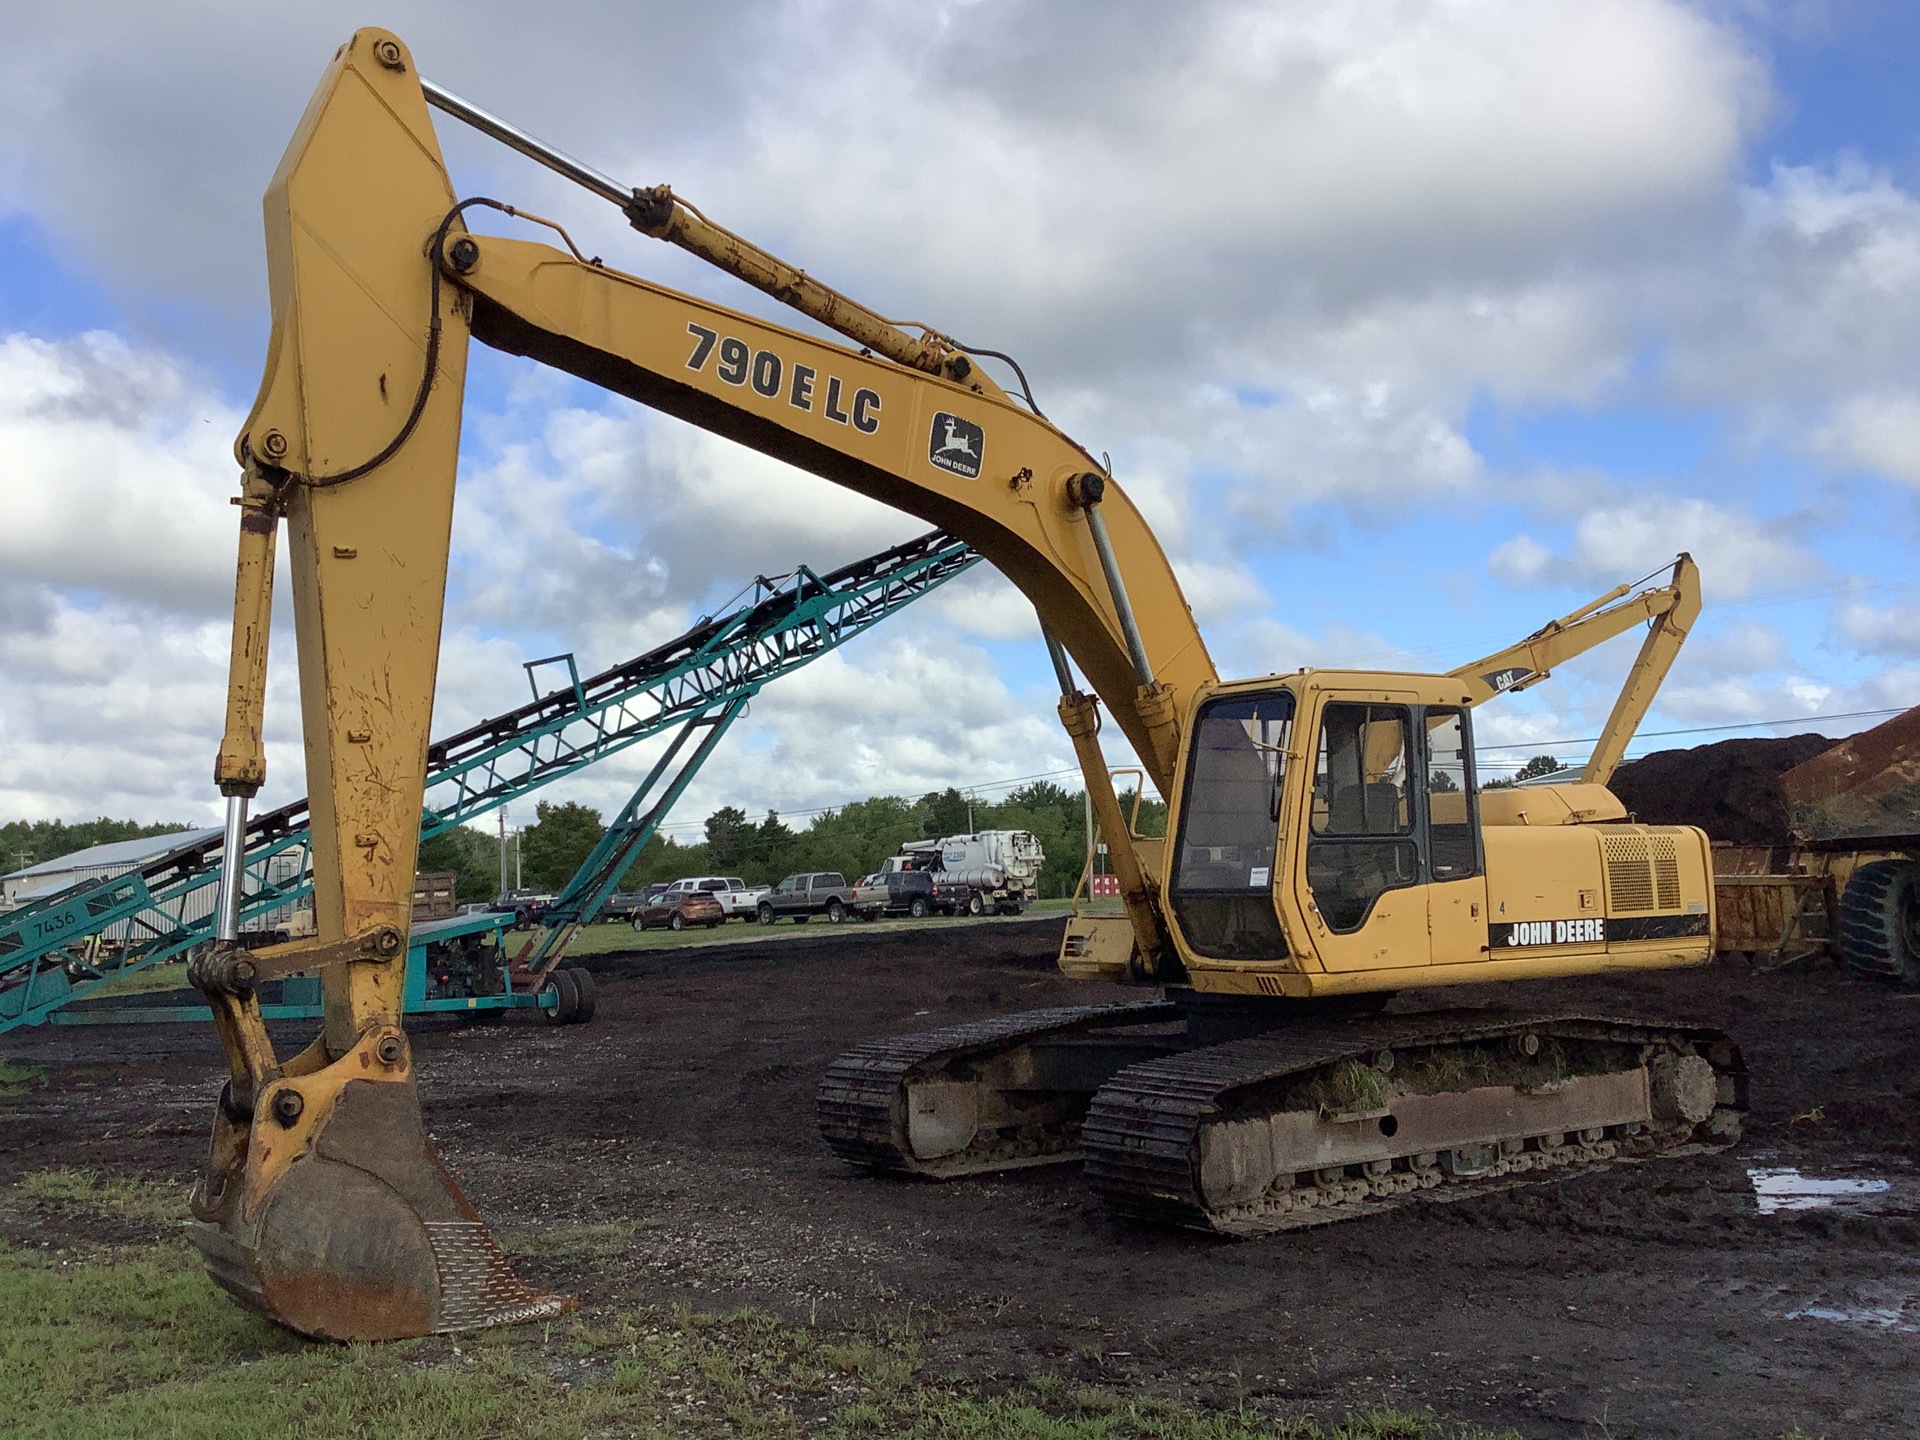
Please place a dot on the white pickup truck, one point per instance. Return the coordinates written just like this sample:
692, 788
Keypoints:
736, 897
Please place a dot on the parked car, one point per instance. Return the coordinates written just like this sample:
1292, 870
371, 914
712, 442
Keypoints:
736, 897
623, 905
526, 906
802, 897
677, 909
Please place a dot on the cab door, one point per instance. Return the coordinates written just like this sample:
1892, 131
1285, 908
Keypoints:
1457, 894
1359, 879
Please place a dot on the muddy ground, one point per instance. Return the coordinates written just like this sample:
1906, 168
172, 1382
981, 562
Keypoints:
1652, 1300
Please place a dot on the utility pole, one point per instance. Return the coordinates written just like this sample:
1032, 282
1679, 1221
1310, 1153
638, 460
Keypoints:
503, 849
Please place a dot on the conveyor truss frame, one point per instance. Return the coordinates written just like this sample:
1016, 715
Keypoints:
702, 679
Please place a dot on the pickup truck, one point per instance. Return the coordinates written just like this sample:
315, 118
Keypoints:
903, 892
736, 897
823, 892
526, 906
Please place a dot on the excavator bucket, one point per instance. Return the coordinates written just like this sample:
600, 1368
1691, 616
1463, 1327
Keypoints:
329, 1212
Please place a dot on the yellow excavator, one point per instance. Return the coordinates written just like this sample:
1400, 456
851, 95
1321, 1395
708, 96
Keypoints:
1330, 841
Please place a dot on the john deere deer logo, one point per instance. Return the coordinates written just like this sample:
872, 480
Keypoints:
956, 446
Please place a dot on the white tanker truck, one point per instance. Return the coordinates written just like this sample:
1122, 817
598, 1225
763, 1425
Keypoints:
991, 870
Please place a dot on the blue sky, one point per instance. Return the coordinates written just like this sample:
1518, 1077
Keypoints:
1409, 324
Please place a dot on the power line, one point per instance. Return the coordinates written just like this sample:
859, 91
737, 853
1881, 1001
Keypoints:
1544, 745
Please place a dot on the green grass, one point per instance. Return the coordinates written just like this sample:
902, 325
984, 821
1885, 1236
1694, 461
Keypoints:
167, 975
131, 1342
129, 1199
18, 1079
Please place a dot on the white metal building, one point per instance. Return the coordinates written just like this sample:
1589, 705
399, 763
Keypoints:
96, 863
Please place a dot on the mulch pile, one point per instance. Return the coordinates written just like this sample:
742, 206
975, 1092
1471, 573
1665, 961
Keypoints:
1730, 789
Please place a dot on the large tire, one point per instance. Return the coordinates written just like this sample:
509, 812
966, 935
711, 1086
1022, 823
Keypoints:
566, 1001
1880, 922
584, 998
766, 913
678, 922
836, 912
975, 905
917, 907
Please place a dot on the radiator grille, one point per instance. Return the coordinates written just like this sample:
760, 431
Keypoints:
1629, 873
1666, 871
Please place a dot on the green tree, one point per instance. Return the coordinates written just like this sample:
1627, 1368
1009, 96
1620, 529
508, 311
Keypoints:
25, 843
1042, 795
772, 849
724, 828
664, 858
560, 837
945, 813
471, 854
1538, 765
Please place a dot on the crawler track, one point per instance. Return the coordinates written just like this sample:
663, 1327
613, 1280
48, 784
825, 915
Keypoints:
1147, 1140
862, 1100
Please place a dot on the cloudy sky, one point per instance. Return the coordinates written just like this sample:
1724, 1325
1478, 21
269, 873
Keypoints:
1410, 323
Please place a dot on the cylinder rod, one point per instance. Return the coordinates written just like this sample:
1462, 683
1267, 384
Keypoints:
1057, 653
664, 216
1117, 587
514, 138
233, 869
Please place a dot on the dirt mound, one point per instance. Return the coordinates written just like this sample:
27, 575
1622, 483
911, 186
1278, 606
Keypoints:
1867, 784
1730, 789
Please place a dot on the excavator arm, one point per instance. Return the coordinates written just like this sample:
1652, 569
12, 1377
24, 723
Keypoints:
1668, 611
323, 1205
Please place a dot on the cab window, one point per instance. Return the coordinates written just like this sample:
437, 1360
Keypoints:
1453, 820
1222, 890
1361, 841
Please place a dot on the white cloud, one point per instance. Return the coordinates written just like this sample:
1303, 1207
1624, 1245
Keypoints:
1736, 648
1626, 539
905, 711
1879, 432
116, 468
1893, 632
983, 602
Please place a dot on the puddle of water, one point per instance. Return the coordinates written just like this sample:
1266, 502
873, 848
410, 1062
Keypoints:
1903, 1317
1785, 1188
